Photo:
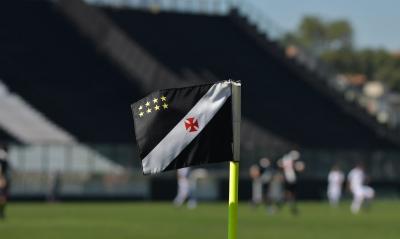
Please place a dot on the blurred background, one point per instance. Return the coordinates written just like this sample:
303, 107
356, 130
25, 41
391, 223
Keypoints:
323, 79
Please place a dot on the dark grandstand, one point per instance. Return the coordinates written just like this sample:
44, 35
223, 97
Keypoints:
61, 73
67, 69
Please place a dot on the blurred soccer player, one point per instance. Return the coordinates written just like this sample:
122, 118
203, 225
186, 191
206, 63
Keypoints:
3, 199
266, 172
290, 167
55, 183
183, 186
256, 193
4, 179
335, 182
275, 194
360, 191
194, 177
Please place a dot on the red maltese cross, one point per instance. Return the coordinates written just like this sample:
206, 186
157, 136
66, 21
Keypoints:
191, 124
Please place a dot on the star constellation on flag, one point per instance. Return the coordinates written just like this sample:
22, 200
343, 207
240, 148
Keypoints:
152, 105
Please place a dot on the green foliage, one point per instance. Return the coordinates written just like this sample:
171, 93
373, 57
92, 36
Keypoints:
389, 74
320, 36
340, 35
376, 65
333, 42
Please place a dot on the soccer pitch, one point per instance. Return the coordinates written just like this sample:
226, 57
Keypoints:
209, 220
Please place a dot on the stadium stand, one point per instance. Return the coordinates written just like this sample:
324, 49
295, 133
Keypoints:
193, 44
25, 124
150, 73
277, 93
81, 67
47, 62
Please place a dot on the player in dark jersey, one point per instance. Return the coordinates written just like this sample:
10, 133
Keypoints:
291, 166
4, 179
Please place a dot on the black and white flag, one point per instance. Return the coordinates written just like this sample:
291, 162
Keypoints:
183, 127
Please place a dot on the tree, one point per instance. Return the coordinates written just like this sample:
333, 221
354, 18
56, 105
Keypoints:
340, 35
390, 75
374, 64
320, 36
332, 41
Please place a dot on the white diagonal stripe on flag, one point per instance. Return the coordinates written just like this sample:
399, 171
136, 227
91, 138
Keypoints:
178, 138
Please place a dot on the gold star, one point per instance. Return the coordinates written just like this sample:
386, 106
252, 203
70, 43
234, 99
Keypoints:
147, 104
165, 106
155, 100
163, 98
141, 114
148, 110
140, 107
157, 107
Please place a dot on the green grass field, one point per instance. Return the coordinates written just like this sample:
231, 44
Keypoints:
161, 220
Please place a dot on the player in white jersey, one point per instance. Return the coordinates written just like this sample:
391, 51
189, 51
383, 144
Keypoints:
194, 178
256, 196
183, 186
335, 183
360, 191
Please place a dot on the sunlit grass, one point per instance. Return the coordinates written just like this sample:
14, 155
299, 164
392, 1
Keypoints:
162, 220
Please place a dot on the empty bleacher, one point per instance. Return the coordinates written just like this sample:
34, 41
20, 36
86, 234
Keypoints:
275, 95
26, 124
72, 80
60, 73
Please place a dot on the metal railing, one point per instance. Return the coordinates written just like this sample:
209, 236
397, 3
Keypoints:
113, 170
119, 159
106, 170
214, 7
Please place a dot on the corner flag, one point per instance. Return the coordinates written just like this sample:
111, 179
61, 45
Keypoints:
183, 127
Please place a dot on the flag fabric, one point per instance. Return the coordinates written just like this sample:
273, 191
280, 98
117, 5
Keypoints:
182, 127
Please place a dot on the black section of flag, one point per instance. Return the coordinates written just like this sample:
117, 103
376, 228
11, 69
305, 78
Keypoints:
184, 127
151, 128
212, 145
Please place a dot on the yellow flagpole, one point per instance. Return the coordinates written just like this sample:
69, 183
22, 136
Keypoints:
233, 200
234, 165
